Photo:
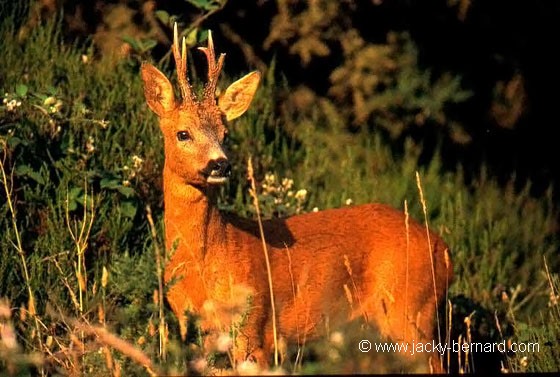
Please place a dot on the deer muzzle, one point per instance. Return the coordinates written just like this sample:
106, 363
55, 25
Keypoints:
218, 171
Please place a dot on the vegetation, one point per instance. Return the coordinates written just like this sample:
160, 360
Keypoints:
81, 210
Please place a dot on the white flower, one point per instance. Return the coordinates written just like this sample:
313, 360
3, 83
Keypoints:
11, 105
199, 364
287, 183
248, 368
349, 201
269, 178
337, 339
8, 337
137, 162
5, 311
104, 123
224, 342
90, 144
49, 101
301, 194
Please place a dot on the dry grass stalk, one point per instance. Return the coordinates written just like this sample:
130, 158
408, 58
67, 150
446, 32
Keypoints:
159, 272
430, 250
111, 340
253, 193
8, 186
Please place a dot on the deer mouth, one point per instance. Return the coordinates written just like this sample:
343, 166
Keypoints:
215, 178
217, 171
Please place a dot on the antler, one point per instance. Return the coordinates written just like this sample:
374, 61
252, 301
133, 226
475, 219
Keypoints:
180, 56
214, 68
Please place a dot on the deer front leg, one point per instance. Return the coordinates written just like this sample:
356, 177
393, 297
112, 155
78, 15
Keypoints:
179, 305
250, 339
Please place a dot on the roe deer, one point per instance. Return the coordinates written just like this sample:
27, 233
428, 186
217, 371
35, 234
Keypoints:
327, 267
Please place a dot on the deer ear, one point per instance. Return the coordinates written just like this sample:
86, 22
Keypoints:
238, 96
157, 90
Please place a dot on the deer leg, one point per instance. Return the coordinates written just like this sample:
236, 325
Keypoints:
249, 342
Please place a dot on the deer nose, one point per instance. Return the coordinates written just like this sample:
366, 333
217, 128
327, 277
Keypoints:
219, 168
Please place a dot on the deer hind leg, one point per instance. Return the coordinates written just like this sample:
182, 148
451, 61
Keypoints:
420, 331
427, 322
406, 324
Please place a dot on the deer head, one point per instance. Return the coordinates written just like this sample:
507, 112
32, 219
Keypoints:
193, 128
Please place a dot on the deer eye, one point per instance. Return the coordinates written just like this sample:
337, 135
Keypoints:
183, 136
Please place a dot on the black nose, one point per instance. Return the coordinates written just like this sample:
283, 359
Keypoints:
219, 168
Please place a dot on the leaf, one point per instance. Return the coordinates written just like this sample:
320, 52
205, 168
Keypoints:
72, 205
126, 191
191, 37
140, 45
202, 36
163, 16
205, 4
51, 90
133, 42
26, 170
14, 141
115, 184
85, 200
148, 44
128, 209
21, 90
75, 192
73, 196
110, 183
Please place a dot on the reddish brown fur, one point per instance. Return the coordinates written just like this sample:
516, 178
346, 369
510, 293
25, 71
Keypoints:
313, 256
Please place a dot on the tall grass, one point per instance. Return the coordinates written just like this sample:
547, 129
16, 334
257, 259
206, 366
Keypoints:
82, 158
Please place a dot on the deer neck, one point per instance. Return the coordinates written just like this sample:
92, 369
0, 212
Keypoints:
193, 223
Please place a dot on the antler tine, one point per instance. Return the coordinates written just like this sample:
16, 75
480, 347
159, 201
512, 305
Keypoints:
214, 67
180, 56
